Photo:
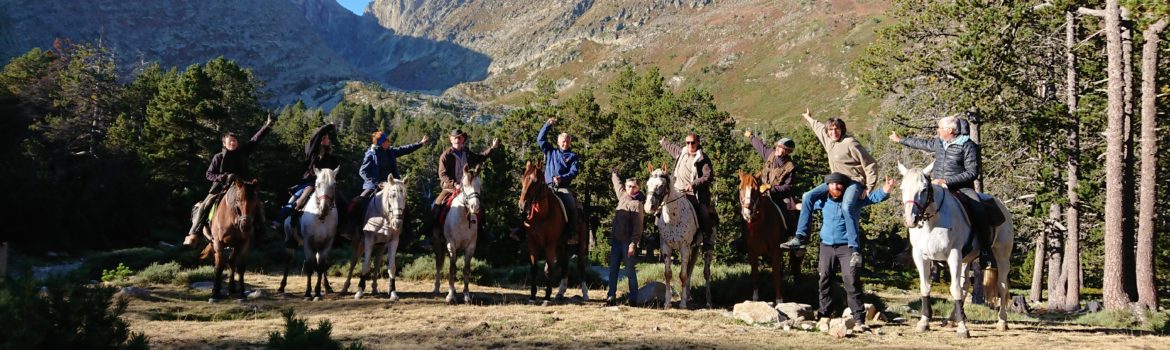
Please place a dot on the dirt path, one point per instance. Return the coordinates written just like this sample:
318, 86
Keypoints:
177, 317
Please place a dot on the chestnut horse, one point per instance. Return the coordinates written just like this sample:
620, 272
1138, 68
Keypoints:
544, 225
231, 226
766, 228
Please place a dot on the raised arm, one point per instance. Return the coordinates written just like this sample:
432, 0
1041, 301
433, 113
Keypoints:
259, 135
670, 148
541, 143
404, 149
759, 146
818, 128
928, 145
617, 184
474, 159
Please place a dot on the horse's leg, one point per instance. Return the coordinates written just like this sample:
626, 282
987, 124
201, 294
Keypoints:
1003, 266
563, 257
241, 266
215, 286
231, 267
924, 268
288, 261
708, 255
686, 256
666, 274
467, 253
583, 260
440, 255
377, 271
777, 274
958, 287
367, 249
309, 267
391, 266
451, 273
550, 265
353, 259
755, 263
532, 268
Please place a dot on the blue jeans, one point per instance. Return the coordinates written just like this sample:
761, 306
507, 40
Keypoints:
618, 254
287, 208
851, 201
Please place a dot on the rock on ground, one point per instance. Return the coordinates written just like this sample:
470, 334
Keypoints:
755, 312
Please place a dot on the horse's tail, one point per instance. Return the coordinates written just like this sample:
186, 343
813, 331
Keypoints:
991, 286
206, 252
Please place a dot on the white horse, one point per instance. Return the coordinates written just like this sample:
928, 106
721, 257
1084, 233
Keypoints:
318, 228
939, 228
460, 228
381, 225
677, 226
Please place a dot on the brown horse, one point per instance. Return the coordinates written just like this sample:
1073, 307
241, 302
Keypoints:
766, 227
232, 226
544, 223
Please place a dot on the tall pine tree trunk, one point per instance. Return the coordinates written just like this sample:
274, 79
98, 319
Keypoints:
1130, 224
1068, 280
1113, 289
1147, 294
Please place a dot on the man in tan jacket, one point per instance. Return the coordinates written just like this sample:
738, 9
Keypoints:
627, 230
846, 156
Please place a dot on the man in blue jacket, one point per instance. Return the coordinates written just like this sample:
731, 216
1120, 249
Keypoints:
840, 249
561, 166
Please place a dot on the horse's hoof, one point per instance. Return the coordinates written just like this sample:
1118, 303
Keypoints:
241, 300
358, 295
964, 334
450, 299
546, 303
280, 291
213, 300
1001, 326
531, 301
317, 298
308, 298
922, 327
393, 296
467, 299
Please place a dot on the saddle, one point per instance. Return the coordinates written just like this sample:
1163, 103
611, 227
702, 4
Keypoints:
442, 210
994, 216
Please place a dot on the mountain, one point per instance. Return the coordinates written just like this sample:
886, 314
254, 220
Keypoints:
765, 61
304, 49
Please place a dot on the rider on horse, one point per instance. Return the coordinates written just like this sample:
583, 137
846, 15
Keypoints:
319, 154
451, 164
956, 166
379, 161
776, 179
693, 176
233, 159
848, 157
561, 166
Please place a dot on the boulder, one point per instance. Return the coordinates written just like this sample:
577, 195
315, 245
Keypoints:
651, 294
795, 310
202, 285
256, 294
136, 292
755, 312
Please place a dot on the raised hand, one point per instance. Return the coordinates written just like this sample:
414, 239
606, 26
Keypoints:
551, 121
426, 138
894, 137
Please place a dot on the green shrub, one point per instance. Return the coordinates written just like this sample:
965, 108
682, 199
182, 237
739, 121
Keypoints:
117, 274
159, 274
199, 274
423, 269
298, 335
64, 316
1155, 321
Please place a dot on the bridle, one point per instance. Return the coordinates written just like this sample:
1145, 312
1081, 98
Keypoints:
922, 213
663, 191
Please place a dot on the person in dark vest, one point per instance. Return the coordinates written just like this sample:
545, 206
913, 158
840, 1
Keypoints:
693, 176
957, 166
776, 180
232, 159
318, 155
451, 164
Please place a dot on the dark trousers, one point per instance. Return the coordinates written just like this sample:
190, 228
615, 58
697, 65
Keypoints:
834, 258
978, 215
706, 224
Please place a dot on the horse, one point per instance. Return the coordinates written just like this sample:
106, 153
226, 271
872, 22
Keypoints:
766, 228
939, 228
677, 226
232, 226
318, 228
544, 222
459, 231
381, 226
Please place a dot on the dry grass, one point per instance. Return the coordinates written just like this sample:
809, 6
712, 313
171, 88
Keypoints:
176, 317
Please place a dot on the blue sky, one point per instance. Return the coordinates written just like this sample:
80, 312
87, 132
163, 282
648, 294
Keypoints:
354, 5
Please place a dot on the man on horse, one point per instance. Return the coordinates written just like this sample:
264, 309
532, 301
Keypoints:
693, 176
840, 248
561, 166
233, 159
848, 157
956, 166
319, 155
627, 230
776, 179
451, 164
379, 161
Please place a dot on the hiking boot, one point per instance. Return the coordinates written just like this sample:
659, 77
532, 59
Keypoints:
860, 328
794, 243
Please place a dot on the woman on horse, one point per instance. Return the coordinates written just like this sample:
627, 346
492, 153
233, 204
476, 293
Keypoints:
956, 166
627, 230
380, 161
693, 176
233, 159
848, 157
776, 178
319, 155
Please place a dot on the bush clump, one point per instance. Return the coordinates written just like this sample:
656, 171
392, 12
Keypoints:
298, 335
159, 273
64, 316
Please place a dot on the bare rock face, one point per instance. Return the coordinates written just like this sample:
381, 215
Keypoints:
755, 312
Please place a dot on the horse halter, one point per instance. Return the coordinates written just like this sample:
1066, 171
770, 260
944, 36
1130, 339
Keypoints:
534, 193
922, 213
662, 192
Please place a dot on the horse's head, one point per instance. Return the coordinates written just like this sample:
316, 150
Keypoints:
246, 203
748, 194
917, 194
657, 189
325, 189
394, 201
531, 184
470, 189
